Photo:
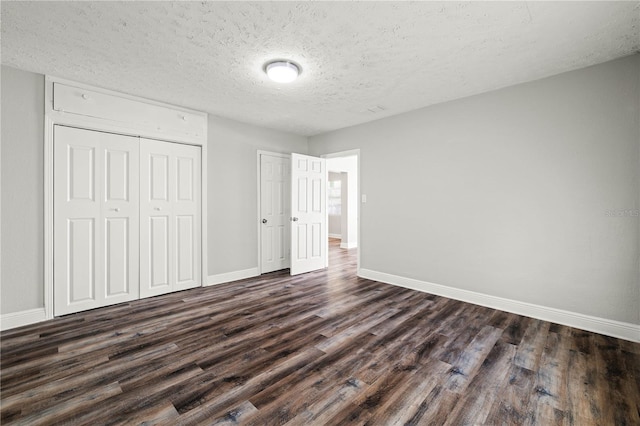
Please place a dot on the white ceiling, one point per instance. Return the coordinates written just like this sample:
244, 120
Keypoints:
361, 61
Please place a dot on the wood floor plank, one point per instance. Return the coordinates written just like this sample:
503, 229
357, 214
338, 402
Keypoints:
376, 395
548, 396
401, 406
465, 367
515, 330
208, 407
237, 415
54, 413
326, 406
436, 408
580, 383
532, 344
623, 408
512, 407
485, 388
315, 378
322, 348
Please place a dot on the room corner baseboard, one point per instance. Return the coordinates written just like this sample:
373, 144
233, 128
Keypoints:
232, 276
18, 319
338, 236
622, 330
348, 245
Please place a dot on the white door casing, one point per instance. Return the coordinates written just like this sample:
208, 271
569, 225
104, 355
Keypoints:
275, 206
170, 236
309, 233
95, 219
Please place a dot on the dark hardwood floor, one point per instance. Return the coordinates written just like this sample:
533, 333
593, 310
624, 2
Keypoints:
322, 348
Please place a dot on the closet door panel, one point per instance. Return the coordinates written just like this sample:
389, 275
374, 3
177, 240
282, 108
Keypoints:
117, 180
170, 242
80, 264
156, 239
158, 252
121, 156
77, 218
95, 219
187, 216
185, 231
117, 257
81, 165
158, 177
185, 249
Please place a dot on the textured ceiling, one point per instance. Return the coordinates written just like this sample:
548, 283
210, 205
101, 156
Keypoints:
361, 61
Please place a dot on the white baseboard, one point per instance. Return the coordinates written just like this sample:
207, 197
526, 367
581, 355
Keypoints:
348, 245
622, 330
232, 276
338, 236
18, 319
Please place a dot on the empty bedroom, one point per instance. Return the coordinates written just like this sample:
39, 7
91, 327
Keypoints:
320, 213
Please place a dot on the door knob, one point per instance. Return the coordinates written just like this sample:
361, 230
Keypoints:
116, 209
157, 209
264, 220
295, 219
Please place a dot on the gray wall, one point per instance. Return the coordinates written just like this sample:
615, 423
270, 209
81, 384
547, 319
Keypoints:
507, 193
232, 192
22, 191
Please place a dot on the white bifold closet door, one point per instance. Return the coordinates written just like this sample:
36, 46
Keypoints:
95, 219
170, 238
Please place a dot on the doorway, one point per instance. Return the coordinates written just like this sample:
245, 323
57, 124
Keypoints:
343, 200
280, 188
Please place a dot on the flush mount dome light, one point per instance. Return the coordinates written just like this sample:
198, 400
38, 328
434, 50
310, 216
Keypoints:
282, 71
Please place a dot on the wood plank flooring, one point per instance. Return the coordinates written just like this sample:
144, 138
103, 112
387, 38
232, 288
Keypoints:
325, 348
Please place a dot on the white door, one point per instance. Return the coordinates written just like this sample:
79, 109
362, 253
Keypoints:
95, 219
275, 185
309, 237
170, 240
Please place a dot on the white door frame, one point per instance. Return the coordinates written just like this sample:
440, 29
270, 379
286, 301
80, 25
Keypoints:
54, 117
351, 153
259, 203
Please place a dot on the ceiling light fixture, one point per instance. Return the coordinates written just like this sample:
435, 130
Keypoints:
282, 71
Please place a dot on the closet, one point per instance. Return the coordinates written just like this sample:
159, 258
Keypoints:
127, 209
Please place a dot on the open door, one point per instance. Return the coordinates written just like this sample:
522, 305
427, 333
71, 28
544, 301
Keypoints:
275, 184
309, 233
